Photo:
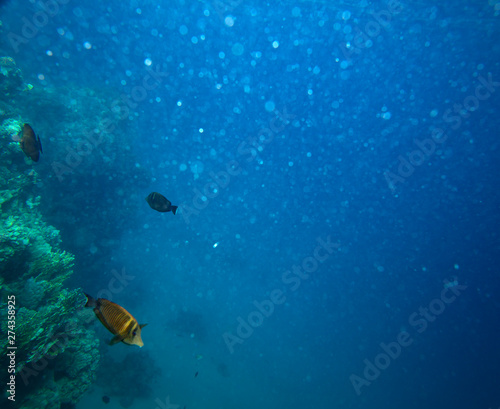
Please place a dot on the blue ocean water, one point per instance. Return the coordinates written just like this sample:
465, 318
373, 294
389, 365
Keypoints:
336, 168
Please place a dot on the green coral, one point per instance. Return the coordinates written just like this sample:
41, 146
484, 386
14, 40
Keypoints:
56, 355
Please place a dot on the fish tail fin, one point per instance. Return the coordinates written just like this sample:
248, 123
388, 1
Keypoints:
39, 143
91, 301
174, 209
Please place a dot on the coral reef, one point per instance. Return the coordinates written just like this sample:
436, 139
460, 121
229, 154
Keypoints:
56, 355
11, 79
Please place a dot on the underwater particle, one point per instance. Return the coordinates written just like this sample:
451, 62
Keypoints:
49, 53
160, 203
106, 399
433, 113
456, 266
183, 30
182, 167
200, 130
238, 49
148, 62
270, 105
179, 103
41, 77
229, 21
196, 374
117, 320
215, 245
346, 15
194, 40
276, 44
296, 12
87, 45
222, 54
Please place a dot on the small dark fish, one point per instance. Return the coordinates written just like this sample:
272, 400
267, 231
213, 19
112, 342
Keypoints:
196, 374
117, 320
30, 143
160, 203
106, 399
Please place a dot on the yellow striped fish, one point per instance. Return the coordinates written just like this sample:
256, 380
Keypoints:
117, 320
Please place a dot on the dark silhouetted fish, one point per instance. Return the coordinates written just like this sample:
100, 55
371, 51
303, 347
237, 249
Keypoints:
117, 320
160, 203
30, 143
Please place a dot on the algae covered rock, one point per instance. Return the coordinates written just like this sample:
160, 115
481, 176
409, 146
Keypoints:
57, 355
11, 78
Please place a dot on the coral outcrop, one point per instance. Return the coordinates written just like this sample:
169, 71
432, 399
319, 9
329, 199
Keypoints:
56, 355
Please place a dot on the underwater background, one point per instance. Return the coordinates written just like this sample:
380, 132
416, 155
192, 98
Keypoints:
335, 164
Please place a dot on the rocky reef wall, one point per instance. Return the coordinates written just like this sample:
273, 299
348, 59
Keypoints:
57, 355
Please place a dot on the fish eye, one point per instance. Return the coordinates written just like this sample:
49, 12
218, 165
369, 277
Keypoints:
134, 333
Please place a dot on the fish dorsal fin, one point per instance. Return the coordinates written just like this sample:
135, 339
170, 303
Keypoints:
116, 339
141, 326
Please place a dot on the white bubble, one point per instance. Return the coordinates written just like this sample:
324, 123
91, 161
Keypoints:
229, 21
87, 45
194, 40
148, 62
215, 244
238, 49
276, 44
179, 103
49, 53
270, 105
